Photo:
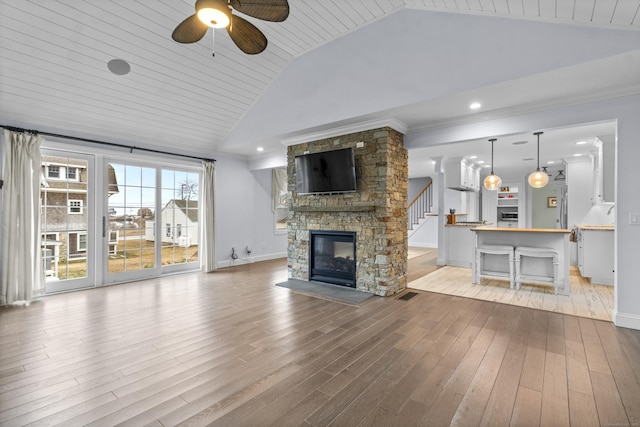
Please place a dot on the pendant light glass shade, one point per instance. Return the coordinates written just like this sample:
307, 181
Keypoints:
492, 181
538, 178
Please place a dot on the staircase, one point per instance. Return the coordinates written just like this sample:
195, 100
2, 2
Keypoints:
420, 208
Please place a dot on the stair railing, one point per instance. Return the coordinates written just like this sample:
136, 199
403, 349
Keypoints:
420, 206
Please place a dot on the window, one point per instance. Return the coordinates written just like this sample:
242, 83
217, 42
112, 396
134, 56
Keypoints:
74, 206
168, 230
72, 174
53, 172
178, 230
82, 242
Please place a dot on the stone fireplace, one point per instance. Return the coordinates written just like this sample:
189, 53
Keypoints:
376, 214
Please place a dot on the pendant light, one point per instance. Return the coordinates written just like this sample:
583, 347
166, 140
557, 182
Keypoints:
492, 181
537, 178
560, 176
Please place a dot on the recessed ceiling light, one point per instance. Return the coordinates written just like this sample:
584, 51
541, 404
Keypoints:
486, 166
260, 149
550, 162
528, 159
577, 155
475, 105
480, 162
119, 67
433, 162
581, 142
473, 157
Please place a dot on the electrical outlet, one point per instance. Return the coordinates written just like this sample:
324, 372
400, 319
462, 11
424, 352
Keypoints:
634, 218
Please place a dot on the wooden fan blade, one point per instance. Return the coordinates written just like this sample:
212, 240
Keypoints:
190, 30
267, 10
246, 36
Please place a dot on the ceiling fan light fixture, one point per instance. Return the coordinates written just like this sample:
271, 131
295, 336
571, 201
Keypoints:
213, 13
492, 181
538, 178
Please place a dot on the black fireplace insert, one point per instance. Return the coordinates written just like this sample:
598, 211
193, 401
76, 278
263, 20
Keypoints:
332, 257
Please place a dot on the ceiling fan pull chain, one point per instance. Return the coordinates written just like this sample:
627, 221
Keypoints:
213, 43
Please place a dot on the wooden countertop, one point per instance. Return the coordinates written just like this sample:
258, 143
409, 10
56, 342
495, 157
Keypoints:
523, 230
605, 227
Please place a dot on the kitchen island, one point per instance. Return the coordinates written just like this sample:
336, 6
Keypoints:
553, 238
459, 243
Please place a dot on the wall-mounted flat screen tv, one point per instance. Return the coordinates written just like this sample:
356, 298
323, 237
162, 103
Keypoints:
326, 172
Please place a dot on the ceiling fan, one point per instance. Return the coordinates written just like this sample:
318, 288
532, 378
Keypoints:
219, 14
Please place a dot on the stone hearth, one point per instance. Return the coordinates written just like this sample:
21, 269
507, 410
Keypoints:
377, 212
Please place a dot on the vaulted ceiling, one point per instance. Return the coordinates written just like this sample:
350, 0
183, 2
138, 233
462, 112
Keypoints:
331, 64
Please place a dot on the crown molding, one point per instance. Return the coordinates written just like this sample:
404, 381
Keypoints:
366, 125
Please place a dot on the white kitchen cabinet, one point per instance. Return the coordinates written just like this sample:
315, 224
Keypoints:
461, 174
595, 255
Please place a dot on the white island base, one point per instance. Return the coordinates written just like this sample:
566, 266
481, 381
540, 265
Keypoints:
553, 238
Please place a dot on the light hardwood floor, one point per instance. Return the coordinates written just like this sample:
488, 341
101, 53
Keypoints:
231, 349
586, 299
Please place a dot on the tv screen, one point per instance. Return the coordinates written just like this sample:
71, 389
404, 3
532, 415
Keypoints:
326, 172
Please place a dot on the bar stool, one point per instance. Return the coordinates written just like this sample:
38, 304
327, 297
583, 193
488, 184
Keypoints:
481, 270
528, 251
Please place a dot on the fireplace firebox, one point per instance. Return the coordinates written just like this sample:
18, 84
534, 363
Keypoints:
332, 257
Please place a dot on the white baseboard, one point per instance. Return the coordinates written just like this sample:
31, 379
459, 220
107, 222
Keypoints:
423, 245
457, 264
249, 260
626, 320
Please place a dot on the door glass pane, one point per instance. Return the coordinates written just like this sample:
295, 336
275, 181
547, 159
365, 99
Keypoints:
64, 217
179, 217
131, 208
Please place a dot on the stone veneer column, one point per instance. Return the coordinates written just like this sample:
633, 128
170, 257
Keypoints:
377, 212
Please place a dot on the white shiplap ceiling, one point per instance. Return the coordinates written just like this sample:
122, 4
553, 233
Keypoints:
54, 55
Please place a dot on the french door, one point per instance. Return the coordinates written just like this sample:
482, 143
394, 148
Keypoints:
67, 218
130, 221
151, 221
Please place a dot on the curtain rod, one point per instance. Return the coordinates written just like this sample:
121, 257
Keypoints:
111, 144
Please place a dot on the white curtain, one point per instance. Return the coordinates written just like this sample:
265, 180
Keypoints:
208, 245
21, 276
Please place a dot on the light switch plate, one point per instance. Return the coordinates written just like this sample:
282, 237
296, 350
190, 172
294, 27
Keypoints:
359, 144
634, 218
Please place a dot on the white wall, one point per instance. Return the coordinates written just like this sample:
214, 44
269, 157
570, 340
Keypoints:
243, 214
415, 187
543, 216
626, 111
267, 243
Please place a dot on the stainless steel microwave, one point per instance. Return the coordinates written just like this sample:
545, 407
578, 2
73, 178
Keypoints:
509, 216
